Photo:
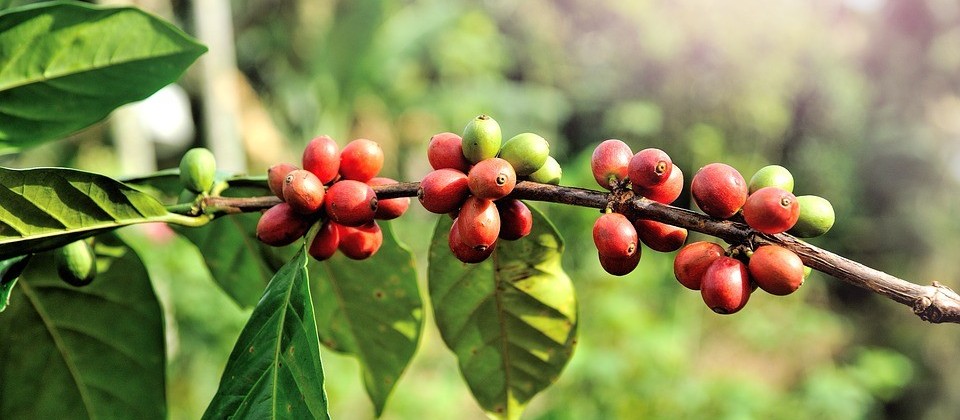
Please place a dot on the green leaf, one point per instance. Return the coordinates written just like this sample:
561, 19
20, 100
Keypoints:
274, 370
9, 274
511, 320
84, 353
371, 309
66, 65
44, 208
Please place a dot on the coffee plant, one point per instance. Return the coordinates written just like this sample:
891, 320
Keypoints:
500, 298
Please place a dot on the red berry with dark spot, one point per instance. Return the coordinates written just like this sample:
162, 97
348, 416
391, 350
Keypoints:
443, 190
463, 252
479, 223
615, 237
660, 236
620, 266
445, 150
360, 242
609, 162
771, 210
492, 179
350, 203
325, 242
649, 168
516, 221
280, 225
322, 157
725, 286
361, 160
719, 190
276, 175
667, 192
692, 262
776, 270
303, 191
391, 208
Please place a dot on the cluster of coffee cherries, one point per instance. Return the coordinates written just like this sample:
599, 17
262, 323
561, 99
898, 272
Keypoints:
649, 173
726, 278
333, 191
472, 176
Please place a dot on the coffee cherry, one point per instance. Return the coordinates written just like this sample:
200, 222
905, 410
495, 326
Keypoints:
692, 262
771, 210
391, 208
280, 225
360, 242
649, 168
610, 161
76, 263
443, 190
620, 266
725, 286
303, 191
816, 217
719, 190
197, 170
549, 173
350, 203
667, 192
771, 176
479, 223
491, 179
660, 236
445, 150
481, 139
325, 242
322, 157
526, 152
615, 237
776, 270
276, 175
361, 160
463, 252
516, 221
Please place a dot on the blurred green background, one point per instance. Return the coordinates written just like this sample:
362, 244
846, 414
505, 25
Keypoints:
860, 99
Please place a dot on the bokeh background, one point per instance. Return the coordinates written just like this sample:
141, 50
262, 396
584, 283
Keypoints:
860, 99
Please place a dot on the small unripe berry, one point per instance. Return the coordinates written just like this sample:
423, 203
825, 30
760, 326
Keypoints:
816, 217
692, 262
350, 203
76, 263
491, 179
360, 242
481, 139
197, 170
725, 286
719, 190
445, 150
303, 191
276, 175
322, 157
649, 168
667, 192
390, 208
479, 223
516, 221
463, 252
771, 176
549, 173
660, 236
526, 152
620, 266
610, 161
615, 237
280, 225
361, 160
776, 270
443, 190
325, 242
771, 210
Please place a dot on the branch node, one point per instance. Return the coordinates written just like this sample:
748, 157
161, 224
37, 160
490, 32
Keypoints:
942, 304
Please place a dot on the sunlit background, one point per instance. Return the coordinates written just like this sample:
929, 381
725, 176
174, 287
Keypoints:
860, 99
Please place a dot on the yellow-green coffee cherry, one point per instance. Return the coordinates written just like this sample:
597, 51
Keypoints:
197, 170
481, 139
816, 217
549, 173
772, 176
76, 263
527, 152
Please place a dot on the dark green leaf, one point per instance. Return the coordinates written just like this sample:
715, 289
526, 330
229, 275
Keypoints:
511, 320
10, 270
84, 353
274, 370
371, 309
66, 65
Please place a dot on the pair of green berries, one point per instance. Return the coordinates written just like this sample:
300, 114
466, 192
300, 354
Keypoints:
528, 153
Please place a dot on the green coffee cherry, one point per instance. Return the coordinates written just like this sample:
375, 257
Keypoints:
527, 152
772, 176
549, 173
197, 170
816, 217
481, 139
76, 263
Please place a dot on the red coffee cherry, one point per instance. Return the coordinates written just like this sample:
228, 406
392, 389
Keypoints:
615, 237
479, 223
303, 191
776, 270
445, 150
325, 242
350, 203
361, 160
280, 225
276, 174
322, 157
463, 252
725, 286
492, 179
360, 242
667, 192
771, 210
443, 190
620, 266
660, 236
719, 190
649, 168
516, 221
390, 208
692, 262
609, 162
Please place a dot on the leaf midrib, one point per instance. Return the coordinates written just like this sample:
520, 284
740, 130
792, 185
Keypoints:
502, 323
280, 324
